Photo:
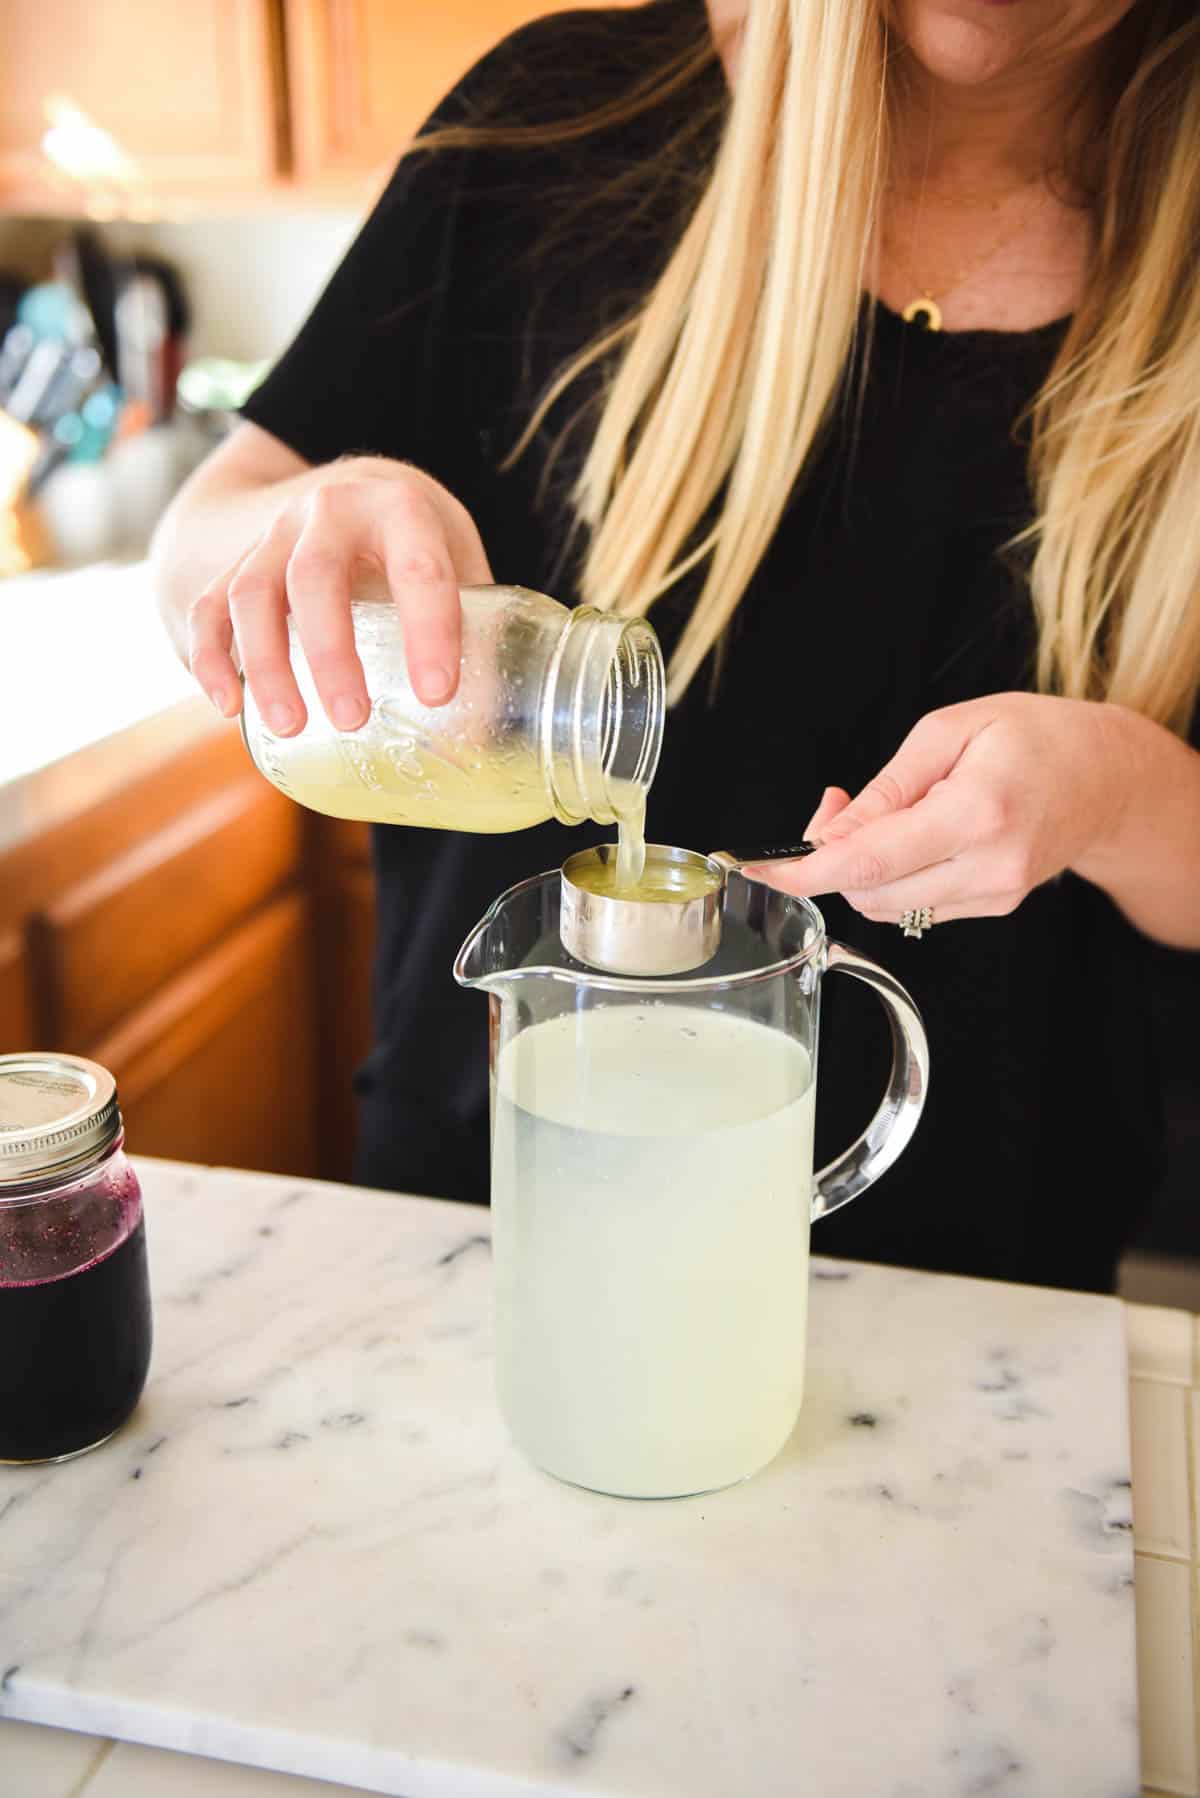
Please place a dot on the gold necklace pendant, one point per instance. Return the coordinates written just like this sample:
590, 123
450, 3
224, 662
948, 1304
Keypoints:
924, 312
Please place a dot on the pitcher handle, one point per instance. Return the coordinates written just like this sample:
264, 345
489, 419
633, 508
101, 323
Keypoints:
889, 1130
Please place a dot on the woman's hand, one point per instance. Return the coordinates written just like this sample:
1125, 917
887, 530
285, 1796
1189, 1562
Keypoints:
982, 802
365, 512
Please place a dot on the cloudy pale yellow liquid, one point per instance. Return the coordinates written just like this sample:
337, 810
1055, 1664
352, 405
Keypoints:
626, 876
661, 883
489, 789
651, 1175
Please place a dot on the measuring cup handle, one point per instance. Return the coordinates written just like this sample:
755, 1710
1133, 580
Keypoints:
734, 860
893, 1124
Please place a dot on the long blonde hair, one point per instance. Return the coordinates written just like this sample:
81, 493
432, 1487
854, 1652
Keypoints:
723, 380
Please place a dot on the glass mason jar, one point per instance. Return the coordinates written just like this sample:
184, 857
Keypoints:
558, 714
75, 1326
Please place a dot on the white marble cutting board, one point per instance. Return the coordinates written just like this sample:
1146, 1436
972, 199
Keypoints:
312, 1549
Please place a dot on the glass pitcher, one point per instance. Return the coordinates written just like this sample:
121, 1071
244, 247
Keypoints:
652, 1187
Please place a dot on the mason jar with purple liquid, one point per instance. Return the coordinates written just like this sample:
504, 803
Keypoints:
74, 1292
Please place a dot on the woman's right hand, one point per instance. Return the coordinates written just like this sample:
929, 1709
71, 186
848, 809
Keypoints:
362, 513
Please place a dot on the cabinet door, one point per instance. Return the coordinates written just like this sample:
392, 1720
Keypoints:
220, 1066
364, 74
111, 939
190, 94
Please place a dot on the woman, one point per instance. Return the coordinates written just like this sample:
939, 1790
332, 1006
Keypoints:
863, 344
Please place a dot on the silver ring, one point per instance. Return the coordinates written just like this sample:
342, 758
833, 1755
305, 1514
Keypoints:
917, 922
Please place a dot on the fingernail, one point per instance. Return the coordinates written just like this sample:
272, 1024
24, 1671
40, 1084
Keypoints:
347, 711
281, 717
436, 683
222, 698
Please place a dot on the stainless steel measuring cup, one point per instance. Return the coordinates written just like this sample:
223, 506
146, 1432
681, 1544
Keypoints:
660, 935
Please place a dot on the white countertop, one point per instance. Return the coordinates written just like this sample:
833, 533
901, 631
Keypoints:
82, 656
59, 794
312, 1549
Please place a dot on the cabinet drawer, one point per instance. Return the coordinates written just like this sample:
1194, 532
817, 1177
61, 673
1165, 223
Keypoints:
111, 939
220, 1066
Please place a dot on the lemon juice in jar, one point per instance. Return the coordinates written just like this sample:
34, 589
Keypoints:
558, 714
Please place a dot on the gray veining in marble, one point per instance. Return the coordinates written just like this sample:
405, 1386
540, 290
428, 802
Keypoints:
313, 1549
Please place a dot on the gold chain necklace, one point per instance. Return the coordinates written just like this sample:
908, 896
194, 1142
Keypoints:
925, 310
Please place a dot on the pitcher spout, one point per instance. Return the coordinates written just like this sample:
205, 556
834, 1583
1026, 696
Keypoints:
503, 945
480, 962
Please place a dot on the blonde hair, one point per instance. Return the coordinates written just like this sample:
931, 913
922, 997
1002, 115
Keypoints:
1116, 445
733, 364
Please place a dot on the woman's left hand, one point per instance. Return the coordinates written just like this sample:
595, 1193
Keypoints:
982, 802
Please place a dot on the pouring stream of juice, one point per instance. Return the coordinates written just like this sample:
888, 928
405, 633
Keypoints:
626, 876
631, 841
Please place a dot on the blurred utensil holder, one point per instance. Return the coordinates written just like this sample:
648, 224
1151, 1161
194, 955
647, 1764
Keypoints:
91, 511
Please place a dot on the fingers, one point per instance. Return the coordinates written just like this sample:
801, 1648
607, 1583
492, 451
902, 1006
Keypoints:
318, 575
938, 827
427, 546
927, 755
951, 890
258, 608
970, 886
833, 800
210, 643
874, 855
424, 583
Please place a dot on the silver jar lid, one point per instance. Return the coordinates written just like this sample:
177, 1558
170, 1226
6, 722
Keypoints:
58, 1114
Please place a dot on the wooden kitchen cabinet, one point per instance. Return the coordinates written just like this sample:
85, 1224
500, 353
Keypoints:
232, 103
162, 900
192, 94
363, 75
221, 1065
205, 939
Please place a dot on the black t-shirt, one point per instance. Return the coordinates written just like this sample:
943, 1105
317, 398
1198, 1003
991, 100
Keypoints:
884, 595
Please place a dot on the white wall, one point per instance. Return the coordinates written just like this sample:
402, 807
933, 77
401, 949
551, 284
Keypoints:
251, 279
